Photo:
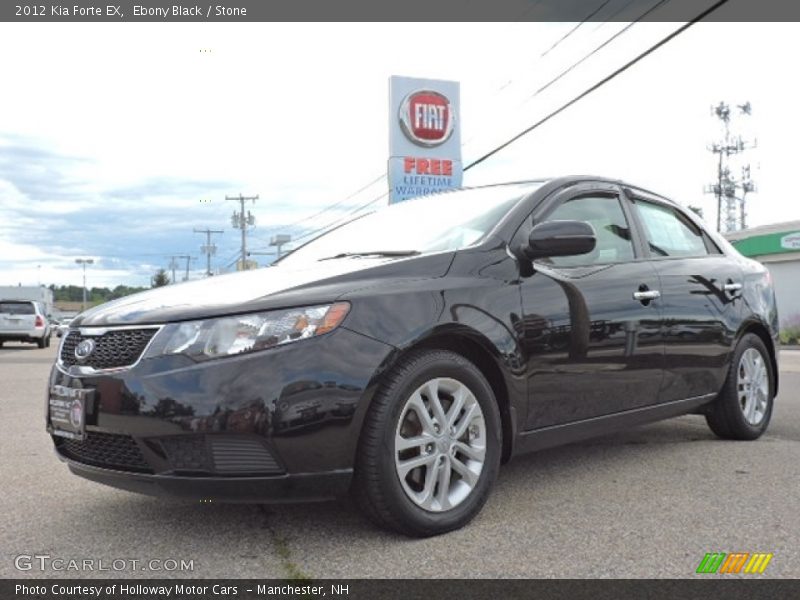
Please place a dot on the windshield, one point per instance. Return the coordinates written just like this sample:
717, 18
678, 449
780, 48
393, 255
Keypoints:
443, 222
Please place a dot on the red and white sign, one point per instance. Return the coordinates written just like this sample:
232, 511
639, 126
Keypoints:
426, 117
424, 137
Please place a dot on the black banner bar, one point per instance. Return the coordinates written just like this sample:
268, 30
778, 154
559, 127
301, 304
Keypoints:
706, 588
385, 10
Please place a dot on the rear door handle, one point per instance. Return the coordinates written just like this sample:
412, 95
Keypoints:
646, 295
732, 287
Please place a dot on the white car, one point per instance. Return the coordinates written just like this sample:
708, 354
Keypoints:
23, 321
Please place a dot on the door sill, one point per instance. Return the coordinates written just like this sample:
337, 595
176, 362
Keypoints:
557, 435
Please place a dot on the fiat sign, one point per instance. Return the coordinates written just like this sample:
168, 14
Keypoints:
424, 137
426, 117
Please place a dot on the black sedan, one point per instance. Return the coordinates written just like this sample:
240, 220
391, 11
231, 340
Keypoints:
406, 354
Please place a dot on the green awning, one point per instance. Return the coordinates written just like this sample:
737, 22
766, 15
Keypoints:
770, 243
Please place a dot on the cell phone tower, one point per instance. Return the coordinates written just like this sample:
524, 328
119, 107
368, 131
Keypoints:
731, 192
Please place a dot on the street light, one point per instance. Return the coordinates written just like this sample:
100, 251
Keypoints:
84, 262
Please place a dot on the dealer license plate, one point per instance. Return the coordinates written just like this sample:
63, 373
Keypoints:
68, 411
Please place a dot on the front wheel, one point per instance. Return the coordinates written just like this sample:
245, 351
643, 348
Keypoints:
744, 406
429, 452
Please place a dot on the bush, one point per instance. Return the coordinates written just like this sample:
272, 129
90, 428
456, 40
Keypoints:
790, 332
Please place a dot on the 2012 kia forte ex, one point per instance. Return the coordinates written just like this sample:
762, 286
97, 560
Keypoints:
406, 354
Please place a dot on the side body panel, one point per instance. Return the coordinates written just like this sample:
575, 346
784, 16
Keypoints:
591, 348
701, 319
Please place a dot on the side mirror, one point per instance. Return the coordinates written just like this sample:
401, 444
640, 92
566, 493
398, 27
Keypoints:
560, 238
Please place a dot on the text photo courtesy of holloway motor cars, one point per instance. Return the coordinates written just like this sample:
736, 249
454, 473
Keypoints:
324, 302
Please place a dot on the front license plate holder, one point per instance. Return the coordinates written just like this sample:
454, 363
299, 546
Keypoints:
67, 411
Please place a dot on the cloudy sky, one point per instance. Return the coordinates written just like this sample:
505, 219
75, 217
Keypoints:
116, 140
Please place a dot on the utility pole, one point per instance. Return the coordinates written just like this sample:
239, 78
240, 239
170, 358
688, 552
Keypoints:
188, 258
84, 262
173, 265
242, 221
209, 248
731, 209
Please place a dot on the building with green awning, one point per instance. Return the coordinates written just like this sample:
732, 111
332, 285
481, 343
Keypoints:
777, 246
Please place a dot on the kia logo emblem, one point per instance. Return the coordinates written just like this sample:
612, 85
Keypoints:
84, 349
426, 118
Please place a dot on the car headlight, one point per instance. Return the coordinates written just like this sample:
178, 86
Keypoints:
237, 334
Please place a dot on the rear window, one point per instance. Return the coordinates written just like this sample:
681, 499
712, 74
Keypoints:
17, 308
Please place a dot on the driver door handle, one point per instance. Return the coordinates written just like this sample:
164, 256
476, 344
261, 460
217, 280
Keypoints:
733, 287
646, 295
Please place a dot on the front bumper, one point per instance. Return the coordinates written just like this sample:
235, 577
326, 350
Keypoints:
276, 425
302, 487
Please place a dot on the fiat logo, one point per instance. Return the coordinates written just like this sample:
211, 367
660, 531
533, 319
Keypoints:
84, 349
426, 118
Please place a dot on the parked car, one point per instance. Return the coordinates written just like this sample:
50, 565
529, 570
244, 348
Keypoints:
408, 353
23, 321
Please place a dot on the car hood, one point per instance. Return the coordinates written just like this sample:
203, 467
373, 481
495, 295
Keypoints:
260, 289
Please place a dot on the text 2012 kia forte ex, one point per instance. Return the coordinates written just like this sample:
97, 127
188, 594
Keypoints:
406, 354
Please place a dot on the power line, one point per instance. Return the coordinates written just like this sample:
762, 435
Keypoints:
574, 29
599, 84
382, 176
340, 220
596, 50
329, 207
593, 13
613, 15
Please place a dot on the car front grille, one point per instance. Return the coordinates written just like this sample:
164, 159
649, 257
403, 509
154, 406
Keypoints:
195, 455
114, 349
110, 450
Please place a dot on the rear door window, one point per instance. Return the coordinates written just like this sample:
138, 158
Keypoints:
668, 232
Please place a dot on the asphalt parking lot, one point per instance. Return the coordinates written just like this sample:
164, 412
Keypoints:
648, 502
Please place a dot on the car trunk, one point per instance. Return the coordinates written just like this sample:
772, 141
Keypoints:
17, 316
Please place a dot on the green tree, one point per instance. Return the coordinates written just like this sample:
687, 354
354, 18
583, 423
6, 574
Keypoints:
160, 279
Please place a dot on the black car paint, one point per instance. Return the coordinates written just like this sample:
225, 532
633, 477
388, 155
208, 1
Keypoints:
559, 374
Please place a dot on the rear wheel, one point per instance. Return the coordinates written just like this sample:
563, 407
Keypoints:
744, 406
41, 342
430, 449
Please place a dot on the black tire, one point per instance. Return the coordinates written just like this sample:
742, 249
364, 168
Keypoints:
726, 417
377, 486
47, 341
41, 342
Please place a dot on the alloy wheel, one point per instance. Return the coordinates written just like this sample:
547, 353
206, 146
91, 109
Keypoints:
752, 386
440, 444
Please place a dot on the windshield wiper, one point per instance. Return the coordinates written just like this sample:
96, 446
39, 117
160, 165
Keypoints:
374, 253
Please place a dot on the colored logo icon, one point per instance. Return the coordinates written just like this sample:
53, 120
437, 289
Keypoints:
735, 562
